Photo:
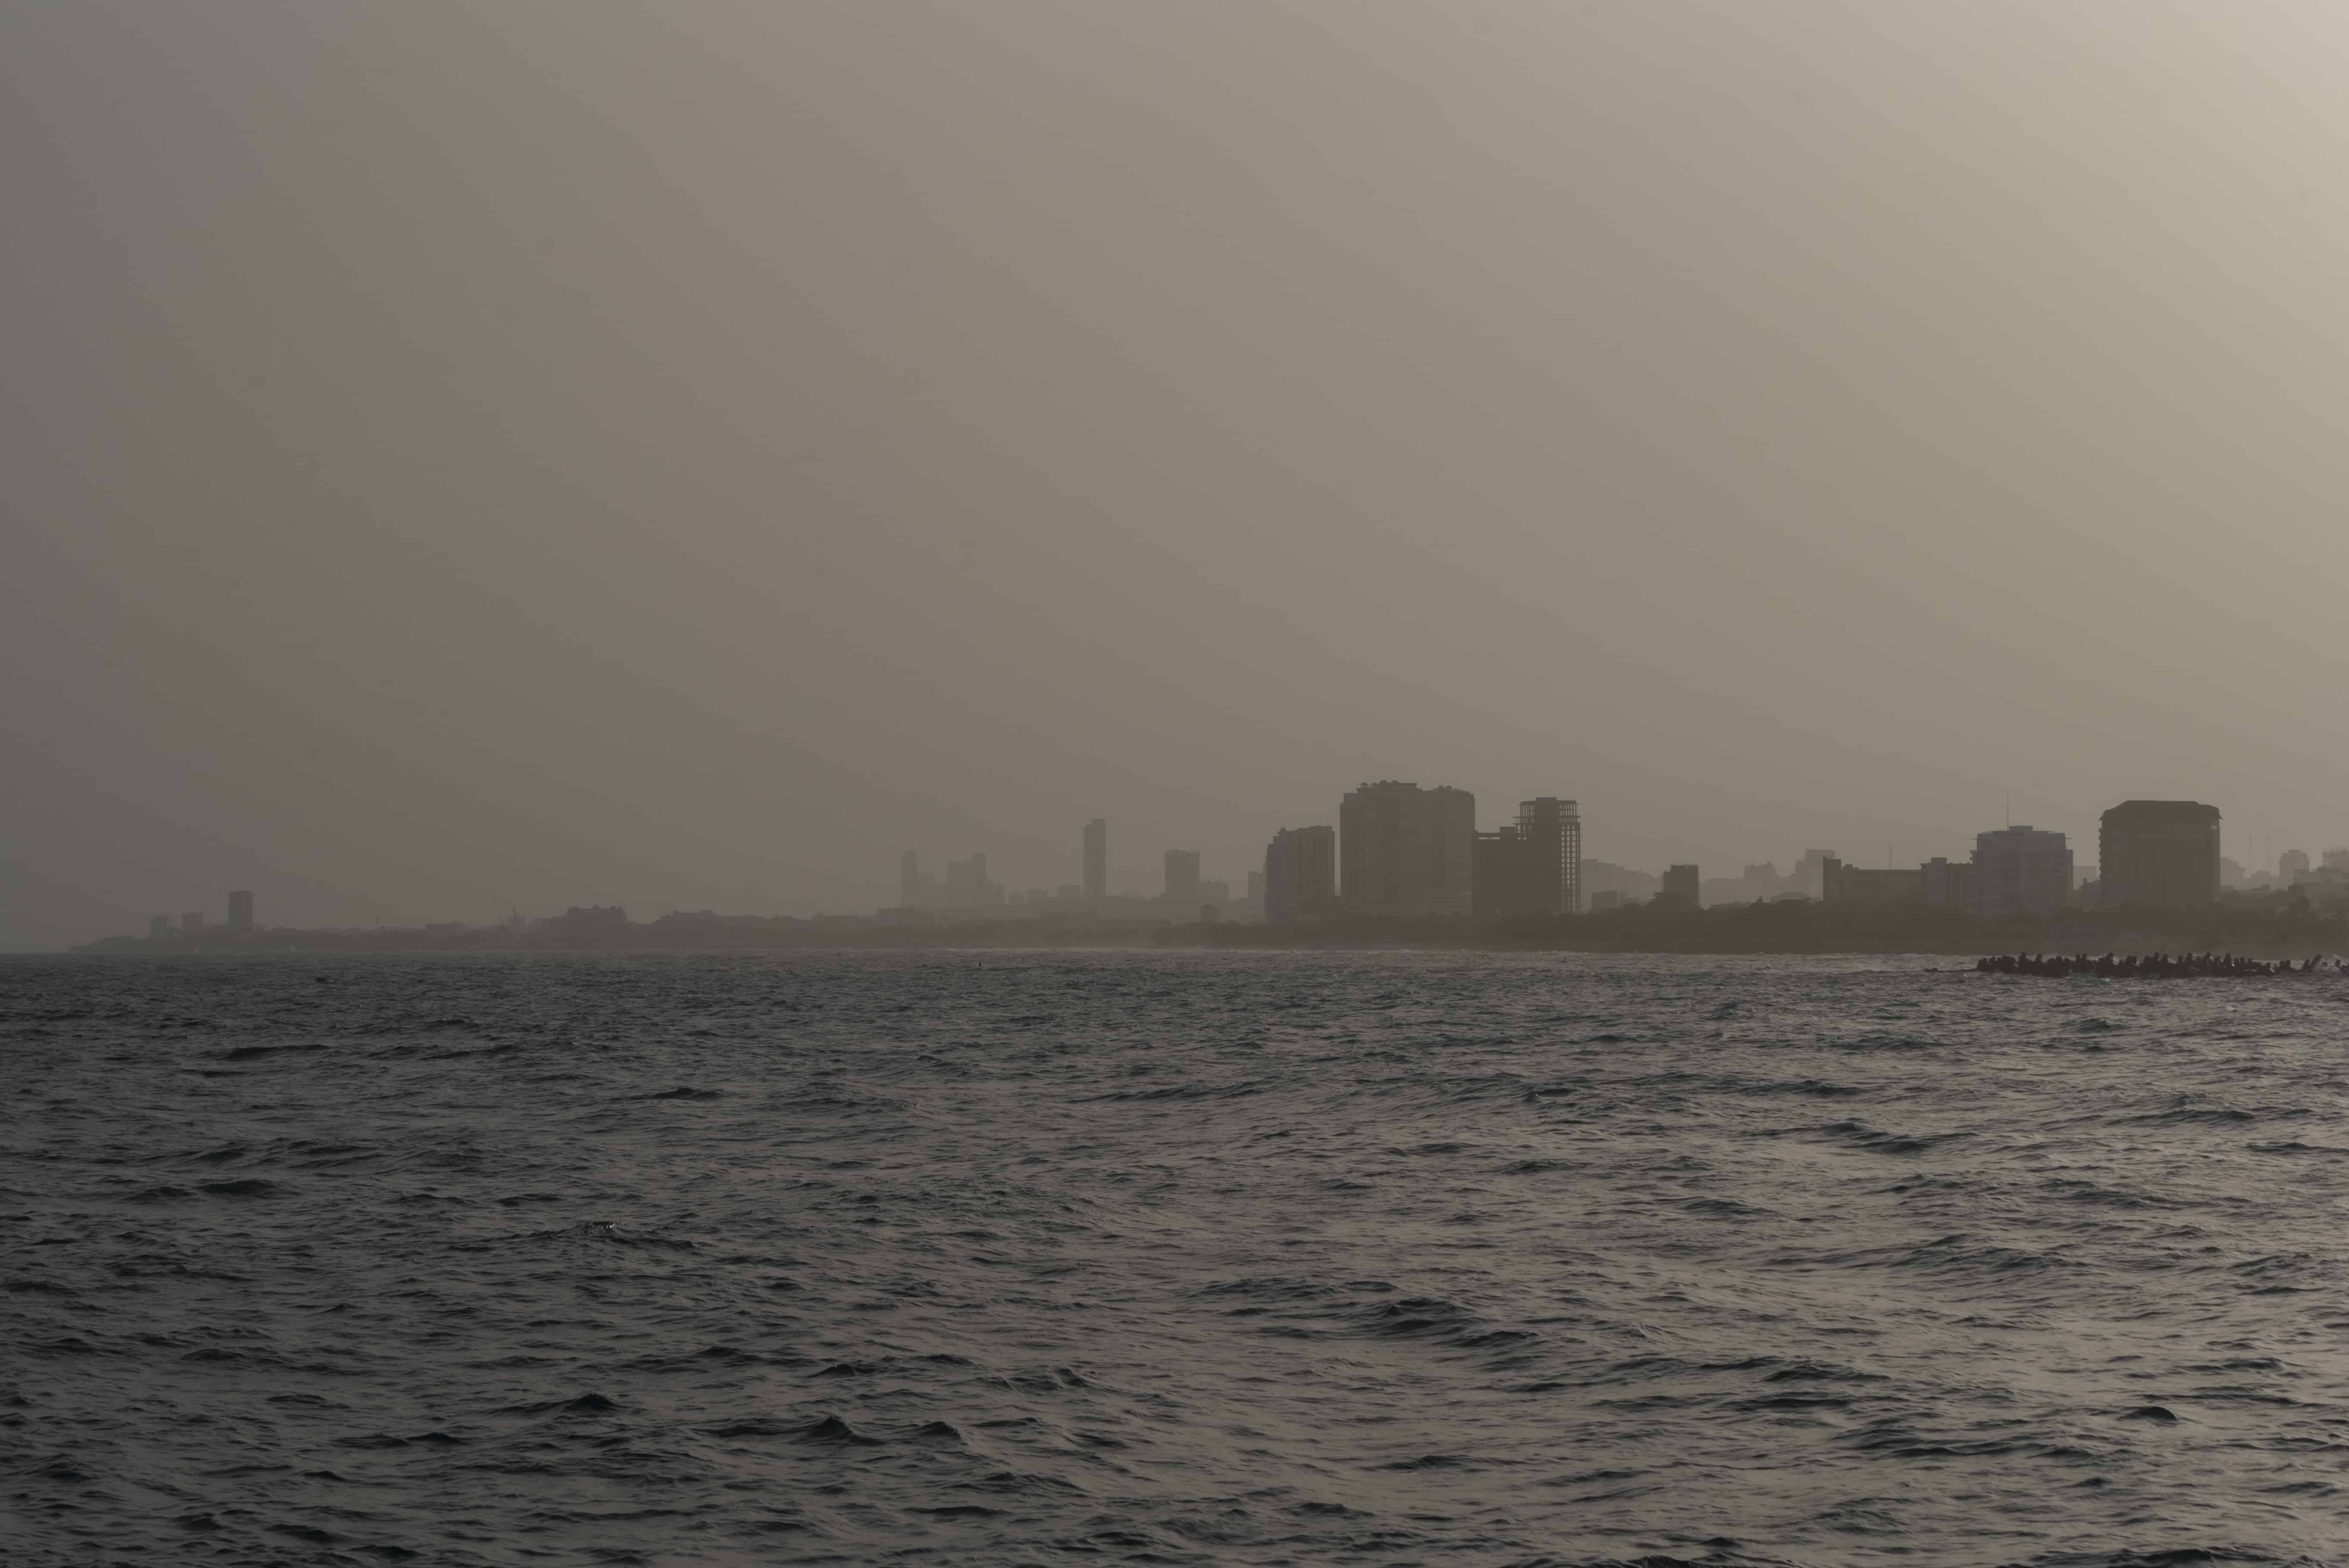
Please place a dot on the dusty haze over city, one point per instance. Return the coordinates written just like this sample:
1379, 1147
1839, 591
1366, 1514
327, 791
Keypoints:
463, 457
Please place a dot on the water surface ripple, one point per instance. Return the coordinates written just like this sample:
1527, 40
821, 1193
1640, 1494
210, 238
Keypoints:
1181, 1258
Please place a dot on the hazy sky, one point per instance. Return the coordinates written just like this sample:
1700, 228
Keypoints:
461, 458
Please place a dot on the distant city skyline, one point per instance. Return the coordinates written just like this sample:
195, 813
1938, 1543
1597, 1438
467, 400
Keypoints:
1724, 879
1301, 863
1410, 845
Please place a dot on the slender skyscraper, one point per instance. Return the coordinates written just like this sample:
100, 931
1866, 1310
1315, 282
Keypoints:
1097, 860
239, 911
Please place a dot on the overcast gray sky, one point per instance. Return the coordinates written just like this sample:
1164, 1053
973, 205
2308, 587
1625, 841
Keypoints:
461, 458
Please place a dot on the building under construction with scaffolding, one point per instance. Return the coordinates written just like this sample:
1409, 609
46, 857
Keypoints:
1534, 866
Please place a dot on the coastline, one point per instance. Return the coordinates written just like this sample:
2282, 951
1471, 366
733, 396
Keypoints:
1792, 930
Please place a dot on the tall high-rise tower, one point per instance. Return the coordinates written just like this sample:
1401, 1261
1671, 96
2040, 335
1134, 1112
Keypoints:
239, 911
1097, 858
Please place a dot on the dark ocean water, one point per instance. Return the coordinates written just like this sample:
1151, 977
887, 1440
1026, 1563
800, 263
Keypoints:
1168, 1258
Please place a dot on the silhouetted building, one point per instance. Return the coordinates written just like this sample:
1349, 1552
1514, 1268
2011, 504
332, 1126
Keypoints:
1758, 882
1256, 887
1181, 889
1840, 883
1681, 888
1502, 879
240, 911
967, 887
2158, 855
1607, 898
1949, 884
2290, 864
1809, 874
916, 888
193, 922
2325, 885
1605, 876
1300, 874
160, 926
1406, 851
2020, 871
1534, 866
1938, 884
1097, 858
1550, 830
